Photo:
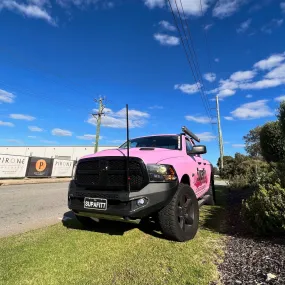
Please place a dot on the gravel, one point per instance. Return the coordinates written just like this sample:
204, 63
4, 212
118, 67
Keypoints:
250, 260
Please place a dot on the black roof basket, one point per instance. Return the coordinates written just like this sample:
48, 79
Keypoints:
190, 134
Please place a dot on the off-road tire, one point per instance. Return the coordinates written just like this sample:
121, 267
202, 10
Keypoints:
211, 192
86, 222
170, 217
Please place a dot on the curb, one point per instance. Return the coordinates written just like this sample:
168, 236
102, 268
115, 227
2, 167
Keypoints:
32, 181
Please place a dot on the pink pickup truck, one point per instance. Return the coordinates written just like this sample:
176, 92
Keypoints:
164, 178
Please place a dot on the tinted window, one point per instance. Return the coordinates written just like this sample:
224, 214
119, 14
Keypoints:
188, 146
169, 142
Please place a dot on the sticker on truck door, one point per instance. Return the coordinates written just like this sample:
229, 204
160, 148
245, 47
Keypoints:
201, 177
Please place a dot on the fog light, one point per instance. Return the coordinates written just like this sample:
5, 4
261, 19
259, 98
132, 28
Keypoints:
141, 201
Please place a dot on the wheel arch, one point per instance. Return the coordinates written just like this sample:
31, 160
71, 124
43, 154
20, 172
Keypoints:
185, 179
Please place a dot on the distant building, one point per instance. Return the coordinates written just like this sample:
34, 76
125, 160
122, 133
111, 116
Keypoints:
62, 152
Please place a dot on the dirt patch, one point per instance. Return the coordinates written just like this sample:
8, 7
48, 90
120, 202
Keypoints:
248, 259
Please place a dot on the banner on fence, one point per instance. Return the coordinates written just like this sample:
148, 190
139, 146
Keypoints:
62, 168
39, 167
13, 166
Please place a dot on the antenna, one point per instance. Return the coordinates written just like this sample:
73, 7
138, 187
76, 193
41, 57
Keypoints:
128, 151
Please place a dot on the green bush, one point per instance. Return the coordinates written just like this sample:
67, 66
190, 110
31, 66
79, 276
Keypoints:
238, 182
264, 210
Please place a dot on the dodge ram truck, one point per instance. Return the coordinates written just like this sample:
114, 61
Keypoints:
159, 177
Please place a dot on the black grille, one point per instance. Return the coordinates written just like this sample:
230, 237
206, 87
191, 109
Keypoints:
109, 173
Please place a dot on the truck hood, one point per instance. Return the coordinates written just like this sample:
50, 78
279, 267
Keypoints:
147, 155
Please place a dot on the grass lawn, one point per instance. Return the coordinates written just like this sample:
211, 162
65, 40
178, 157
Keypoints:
114, 253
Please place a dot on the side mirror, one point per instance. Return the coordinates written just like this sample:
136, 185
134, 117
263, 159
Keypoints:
198, 149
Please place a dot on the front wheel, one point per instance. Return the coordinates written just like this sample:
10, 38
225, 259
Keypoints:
179, 219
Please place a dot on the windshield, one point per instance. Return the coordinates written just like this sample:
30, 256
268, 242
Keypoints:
168, 142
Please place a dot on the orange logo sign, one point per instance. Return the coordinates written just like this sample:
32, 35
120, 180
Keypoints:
41, 165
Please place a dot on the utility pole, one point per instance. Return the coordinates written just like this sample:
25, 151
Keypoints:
220, 135
98, 117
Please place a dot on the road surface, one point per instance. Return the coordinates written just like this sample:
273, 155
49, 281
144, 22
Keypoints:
27, 207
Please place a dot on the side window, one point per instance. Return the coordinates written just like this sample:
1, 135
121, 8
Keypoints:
188, 146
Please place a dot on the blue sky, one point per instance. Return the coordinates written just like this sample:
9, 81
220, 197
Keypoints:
57, 56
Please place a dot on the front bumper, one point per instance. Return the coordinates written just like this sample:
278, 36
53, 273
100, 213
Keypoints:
122, 204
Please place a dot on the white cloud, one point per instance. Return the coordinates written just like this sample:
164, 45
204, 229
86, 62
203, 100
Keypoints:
261, 84
244, 26
6, 124
167, 26
83, 4
197, 119
88, 137
35, 129
248, 96
211, 77
270, 62
277, 73
282, 6
206, 136
280, 98
48, 142
208, 27
228, 118
14, 141
192, 7
166, 40
61, 133
273, 24
253, 110
154, 3
237, 145
226, 93
32, 137
155, 107
188, 88
242, 75
137, 119
34, 10
6, 97
226, 8
22, 117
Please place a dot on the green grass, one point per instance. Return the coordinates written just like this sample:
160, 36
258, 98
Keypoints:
116, 253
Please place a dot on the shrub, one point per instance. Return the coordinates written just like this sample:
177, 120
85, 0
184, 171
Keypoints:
264, 210
238, 182
272, 142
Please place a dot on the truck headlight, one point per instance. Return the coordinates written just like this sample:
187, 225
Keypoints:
161, 173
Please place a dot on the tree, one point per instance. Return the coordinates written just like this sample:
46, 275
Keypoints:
272, 142
281, 117
252, 142
228, 166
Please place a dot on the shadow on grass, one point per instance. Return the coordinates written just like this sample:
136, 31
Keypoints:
112, 227
212, 218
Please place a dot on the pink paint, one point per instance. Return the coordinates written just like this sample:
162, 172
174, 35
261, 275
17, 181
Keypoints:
194, 167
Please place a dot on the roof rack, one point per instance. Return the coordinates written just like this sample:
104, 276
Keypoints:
190, 134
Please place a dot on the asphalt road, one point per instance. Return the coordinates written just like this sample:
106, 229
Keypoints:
27, 207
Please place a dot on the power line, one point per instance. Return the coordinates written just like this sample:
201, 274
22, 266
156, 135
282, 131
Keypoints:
194, 73
194, 54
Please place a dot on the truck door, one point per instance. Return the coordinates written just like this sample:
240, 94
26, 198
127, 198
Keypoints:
200, 169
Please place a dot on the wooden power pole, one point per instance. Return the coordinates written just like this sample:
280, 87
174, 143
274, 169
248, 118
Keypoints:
220, 136
98, 117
